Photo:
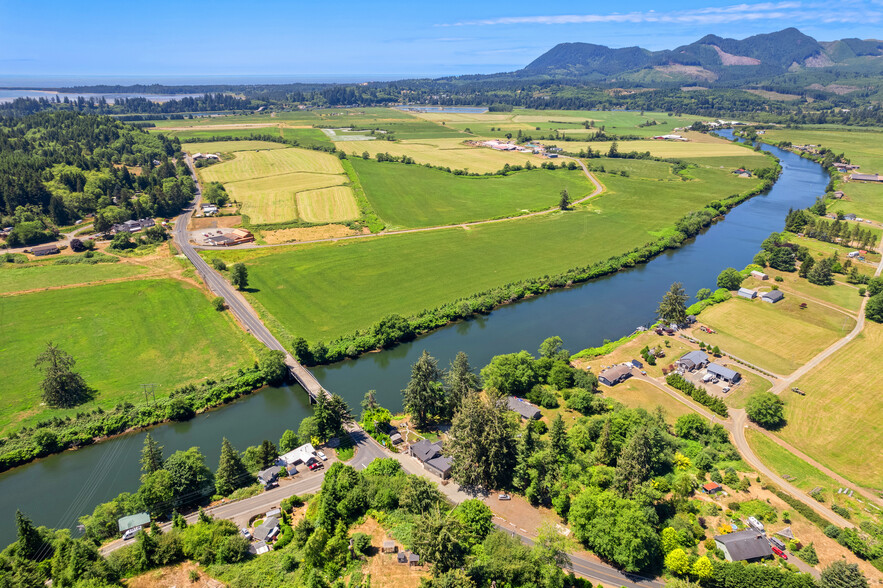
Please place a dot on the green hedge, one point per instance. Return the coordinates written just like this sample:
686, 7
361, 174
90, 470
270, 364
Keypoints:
698, 394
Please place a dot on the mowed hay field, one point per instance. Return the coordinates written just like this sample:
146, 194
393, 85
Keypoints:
267, 183
777, 337
21, 278
452, 153
863, 199
415, 196
322, 291
158, 331
840, 420
229, 147
327, 205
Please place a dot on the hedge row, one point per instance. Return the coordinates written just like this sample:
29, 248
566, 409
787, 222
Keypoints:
698, 394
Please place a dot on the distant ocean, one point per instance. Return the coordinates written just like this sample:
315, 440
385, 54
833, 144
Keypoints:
62, 81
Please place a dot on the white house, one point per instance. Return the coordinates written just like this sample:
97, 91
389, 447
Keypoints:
303, 454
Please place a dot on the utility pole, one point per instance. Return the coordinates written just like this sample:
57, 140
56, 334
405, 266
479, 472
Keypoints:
149, 392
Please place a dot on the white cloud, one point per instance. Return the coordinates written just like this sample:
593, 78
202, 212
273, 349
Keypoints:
792, 11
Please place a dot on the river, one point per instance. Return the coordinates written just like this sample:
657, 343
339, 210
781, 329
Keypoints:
57, 490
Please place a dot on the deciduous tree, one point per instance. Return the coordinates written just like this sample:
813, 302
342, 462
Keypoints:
62, 387
729, 279
766, 409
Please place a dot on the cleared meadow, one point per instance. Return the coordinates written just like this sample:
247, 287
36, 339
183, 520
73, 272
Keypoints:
777, 337
442, 152
21, 278
840, 420
415, 196
273, 199
229, 147
327, 205
323, 291
159, 331
257, 164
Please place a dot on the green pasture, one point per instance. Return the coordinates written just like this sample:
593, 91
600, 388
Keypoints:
209, 133
20, 278
230, 147
323, 291
863, 199
416, 196
122, 335
863, 147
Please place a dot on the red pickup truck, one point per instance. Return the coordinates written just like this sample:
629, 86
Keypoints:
779, 552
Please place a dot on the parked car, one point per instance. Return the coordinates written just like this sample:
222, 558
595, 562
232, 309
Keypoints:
504, 497
130, 534
779, 552
271, 485
725, 389
322, 455
245, 533
315, 465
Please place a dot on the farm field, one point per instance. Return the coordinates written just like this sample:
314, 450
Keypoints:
447, 152
862, 146
219, 131
863, 199
273, 199
248, 165
229, 147
153, 323
21, 278
840, 294
753, 331
327, 205
323, 291
839, 421
692, 151
415, 196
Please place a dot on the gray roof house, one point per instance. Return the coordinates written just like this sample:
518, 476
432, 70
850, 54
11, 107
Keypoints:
267, 530
44, 250
849, 216
772, 296
724, 373
269, 475
424, 450
747, 293
440, 466
616, 374
745, 545
693, 360
135, 521
524, 408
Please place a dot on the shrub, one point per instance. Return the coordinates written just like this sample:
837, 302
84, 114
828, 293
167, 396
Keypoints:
179, 409
779, 279
219, 264
218, 303
766, 409
832, 531
841, 510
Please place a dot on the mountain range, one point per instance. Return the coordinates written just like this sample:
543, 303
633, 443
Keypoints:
713, 60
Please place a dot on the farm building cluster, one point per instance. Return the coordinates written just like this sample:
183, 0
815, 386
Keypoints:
228, 237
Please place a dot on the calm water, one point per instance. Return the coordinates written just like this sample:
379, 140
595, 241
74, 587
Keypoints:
57, 490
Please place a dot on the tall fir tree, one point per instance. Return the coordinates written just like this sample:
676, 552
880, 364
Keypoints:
424, 396
558, 438
461, 381
151, 456
603, 452
29, 541
231, 473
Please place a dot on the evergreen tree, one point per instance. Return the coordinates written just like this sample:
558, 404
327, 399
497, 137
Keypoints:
239, 276
527, 448
267, 454
806, 266
370, 401
634, 465
482, 443
843, 575
558, 438
29, 541
564, 202
436, 539
672, 308
151, 456
424, 396
62, 387
603, 452
821, 273
231, 473
460, 382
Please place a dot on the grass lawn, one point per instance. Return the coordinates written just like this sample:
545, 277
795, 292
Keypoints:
863, 199
323, 291
640, 394
840, 420
749, 384
638, 168
863, 147
230, 147
327, 205
777, 337
416, 196
19, 278
822, 248
122, 335
801, 474
674, 347
843, 295
443, 152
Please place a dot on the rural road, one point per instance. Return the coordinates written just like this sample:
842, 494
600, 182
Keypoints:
596, 192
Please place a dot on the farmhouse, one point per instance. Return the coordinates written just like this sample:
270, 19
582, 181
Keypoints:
303, 454
44, 250
866, 178
389, 546
616, 374
849, 216
429, 454
724, 373
772, 296
759, 275
135, 521
748, 545
693, 360
525, 409
747, 293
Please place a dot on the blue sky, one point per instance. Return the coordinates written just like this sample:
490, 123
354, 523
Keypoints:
146, 40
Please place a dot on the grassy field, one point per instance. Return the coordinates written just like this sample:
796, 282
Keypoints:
696, 151
323, 291
777, 337
197, 135
839, 294
640, 394
248, 165
158, 331
839, 421
415, 196
20, 278
863, 199
229, 147
748, 386
862, 146
327, 205
274, 198
442, 152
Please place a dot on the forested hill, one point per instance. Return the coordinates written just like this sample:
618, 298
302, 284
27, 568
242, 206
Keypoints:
56, 167
711, 59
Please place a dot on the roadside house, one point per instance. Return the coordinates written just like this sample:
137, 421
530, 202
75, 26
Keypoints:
525, 409
135, 521
267, 530
430, 455
849, 216
302, 455
772, 296
747, 293
44, 250
693, 360
724, 373
747, 545
616, 374
269, 475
